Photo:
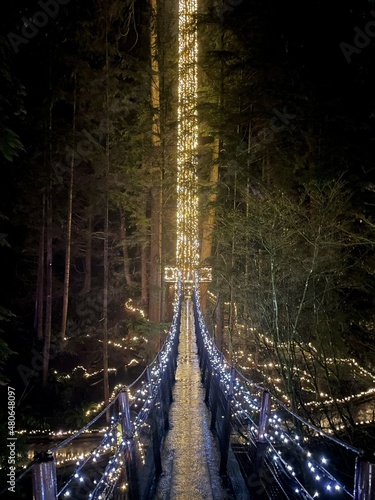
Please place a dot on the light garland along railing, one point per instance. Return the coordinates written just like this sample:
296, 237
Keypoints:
128, 456
318, 401
280, 454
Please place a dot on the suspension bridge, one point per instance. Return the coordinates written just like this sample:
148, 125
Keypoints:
192, 426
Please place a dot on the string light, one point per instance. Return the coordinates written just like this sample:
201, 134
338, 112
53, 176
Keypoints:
277, 436
187, 248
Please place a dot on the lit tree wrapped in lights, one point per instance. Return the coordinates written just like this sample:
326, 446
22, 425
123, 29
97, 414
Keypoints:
187, 249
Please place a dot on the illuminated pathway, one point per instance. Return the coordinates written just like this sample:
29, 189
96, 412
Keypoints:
190, 458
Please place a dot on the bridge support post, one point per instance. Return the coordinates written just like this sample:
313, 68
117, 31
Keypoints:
215, 398
155, 431
130, 456
165, 396
203, 364
264, 416
44, 477
225, 438
207, 383
364, 485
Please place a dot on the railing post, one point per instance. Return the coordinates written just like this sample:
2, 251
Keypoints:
364, 483
225, 438
215, 398
149, 381
163, 397
203, 364
155, 432
207, 383
264, 415
130, 456
44, 477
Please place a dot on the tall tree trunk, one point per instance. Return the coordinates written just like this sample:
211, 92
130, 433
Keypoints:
39, 301
48, 323
155, 256
69, 228
88, 253
219, 320
157, 190
124, 245
144, 287
105, 303
232, 306
209, 221
106, 227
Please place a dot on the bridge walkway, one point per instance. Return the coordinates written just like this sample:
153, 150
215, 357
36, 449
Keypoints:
190, 457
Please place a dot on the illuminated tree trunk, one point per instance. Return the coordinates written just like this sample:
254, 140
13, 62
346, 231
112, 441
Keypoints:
157, 188
106, 227
105, 303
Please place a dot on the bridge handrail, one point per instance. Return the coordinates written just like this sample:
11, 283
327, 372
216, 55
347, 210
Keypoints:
158, 368
84, 428
349, 447
234, 386
86, 460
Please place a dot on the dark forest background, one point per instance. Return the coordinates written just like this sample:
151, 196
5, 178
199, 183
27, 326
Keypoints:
287, 198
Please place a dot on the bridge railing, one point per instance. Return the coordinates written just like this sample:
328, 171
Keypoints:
127, 459
279, 454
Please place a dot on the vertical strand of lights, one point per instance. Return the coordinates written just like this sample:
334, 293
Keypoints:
187, 248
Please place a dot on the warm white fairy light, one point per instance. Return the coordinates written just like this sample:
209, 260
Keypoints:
187, 247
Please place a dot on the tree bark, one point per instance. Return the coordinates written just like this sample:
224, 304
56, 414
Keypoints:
106, 226
155, 256
154, 309
209, 221
144, 288
124, 245
88, 253
219, 320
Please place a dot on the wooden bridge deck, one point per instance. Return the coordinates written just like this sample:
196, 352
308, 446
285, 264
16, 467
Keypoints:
190, 457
